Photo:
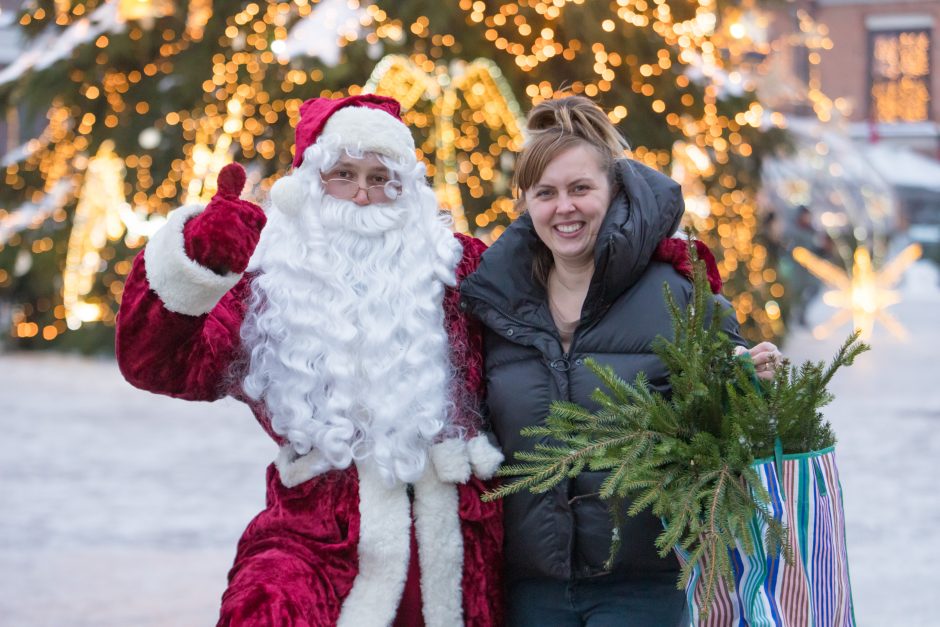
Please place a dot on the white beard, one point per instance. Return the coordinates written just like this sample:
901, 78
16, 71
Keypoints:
346, 334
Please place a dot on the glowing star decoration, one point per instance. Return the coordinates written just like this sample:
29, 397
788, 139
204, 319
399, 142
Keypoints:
484, 91
97, 220
863, 296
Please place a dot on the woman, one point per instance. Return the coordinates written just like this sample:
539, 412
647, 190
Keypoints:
576, 277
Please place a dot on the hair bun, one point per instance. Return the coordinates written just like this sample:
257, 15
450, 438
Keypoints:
542, 119
562, 123
578, 116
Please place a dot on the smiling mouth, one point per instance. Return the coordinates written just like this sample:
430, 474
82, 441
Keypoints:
568, 229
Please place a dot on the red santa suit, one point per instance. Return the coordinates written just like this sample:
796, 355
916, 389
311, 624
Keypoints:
333, 547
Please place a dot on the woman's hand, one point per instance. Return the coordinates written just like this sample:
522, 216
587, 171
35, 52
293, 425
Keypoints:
766, 357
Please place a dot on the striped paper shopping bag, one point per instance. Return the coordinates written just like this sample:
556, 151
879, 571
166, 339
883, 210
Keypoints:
814, 589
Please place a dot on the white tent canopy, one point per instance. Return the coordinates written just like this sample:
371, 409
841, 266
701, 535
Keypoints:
903, 167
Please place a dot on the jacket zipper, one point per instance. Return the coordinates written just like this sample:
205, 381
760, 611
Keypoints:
578, 332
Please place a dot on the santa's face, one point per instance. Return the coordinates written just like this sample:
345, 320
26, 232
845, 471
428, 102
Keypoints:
363, 180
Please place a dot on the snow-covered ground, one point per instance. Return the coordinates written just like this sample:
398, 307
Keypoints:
118, 507
121, 508
887, 418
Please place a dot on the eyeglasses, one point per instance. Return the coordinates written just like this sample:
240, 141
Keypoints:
346, 189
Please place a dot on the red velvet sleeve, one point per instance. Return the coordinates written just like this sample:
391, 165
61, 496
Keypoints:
675, 250
466, 339
180, 355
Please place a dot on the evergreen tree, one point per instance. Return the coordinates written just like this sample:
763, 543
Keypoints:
179, 90
182, 87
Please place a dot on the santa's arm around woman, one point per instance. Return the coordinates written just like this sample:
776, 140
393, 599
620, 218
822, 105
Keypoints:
184, 299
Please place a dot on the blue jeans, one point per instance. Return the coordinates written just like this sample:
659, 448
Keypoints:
605, 601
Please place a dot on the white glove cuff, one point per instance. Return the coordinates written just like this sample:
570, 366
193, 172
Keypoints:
451, 461
485, 458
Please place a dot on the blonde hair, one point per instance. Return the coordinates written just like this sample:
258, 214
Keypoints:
556, 126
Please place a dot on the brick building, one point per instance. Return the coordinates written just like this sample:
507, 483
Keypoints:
883, 60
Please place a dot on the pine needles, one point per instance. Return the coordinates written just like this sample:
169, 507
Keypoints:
689, 458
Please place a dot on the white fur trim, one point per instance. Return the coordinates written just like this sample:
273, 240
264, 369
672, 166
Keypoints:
293, 469
484, 457
440, 550
371, 130
384, 538
451, 460
288, 194
183, 285
384, 549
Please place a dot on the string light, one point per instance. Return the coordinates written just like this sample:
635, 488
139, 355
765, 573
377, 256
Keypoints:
901, 69
463, 114
144, 11
478, 85
200, 12
690, 59
96, 222
204, 162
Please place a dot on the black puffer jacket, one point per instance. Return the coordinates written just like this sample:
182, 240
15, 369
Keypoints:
566, 532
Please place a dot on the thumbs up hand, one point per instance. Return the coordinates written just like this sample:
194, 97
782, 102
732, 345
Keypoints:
224, 236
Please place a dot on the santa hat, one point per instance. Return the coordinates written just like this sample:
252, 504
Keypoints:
366, 123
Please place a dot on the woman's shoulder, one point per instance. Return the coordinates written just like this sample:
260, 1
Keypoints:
659, 273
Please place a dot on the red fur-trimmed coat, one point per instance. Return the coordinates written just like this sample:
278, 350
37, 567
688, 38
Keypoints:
334, 548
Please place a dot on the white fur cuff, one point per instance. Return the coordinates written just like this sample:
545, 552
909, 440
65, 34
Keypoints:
451, 461
183, 285
484, 457
294, 470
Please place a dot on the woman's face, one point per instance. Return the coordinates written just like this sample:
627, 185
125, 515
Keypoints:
569, 202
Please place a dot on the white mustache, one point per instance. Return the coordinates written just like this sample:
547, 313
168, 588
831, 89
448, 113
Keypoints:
368, 220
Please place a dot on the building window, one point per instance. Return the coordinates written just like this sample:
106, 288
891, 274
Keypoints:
899, 80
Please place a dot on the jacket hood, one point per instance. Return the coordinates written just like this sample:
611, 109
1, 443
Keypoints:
647, 206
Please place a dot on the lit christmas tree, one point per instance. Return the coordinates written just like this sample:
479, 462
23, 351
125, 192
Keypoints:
180, 89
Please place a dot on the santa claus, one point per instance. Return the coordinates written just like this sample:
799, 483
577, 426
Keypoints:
335, 318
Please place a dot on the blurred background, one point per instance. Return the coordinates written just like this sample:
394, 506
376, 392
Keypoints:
805, 134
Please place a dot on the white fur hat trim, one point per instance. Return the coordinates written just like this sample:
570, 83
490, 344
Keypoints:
370, 130
287, 194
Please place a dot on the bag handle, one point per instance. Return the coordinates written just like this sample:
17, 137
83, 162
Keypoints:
778, 466
778, 445
820, 478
